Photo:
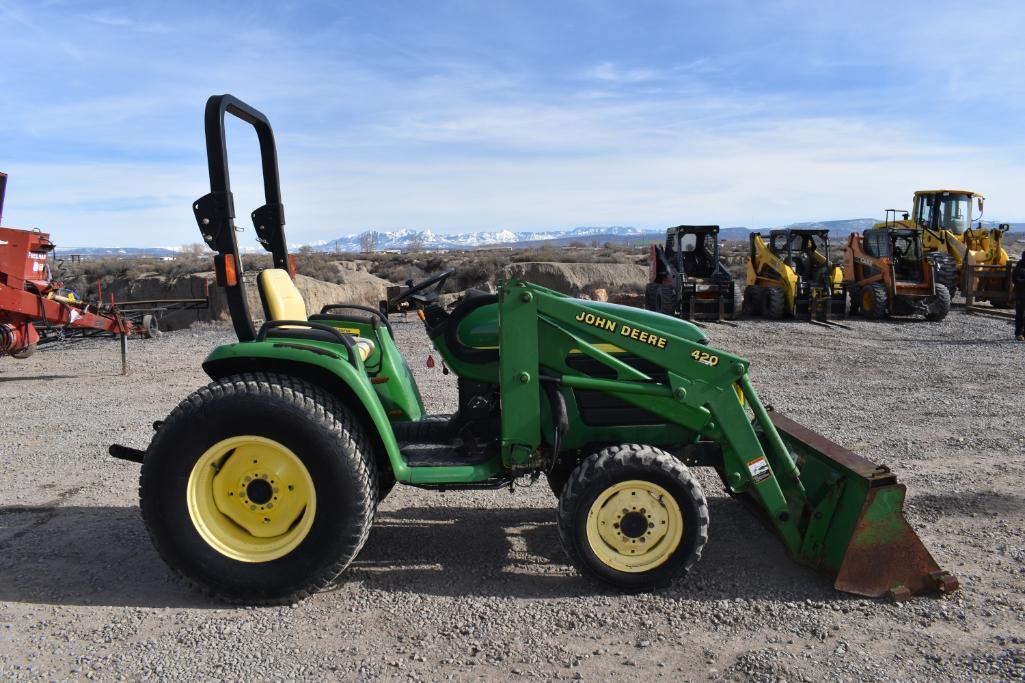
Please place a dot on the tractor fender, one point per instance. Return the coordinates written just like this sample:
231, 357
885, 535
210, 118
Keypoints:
336, 375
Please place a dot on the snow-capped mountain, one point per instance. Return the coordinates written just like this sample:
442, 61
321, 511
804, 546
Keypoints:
428, 239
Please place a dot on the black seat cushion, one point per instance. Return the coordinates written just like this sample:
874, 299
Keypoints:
342, 318
303, 333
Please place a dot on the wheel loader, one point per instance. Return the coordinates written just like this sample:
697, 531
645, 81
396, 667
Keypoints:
790, 275
686, 277
262, 486
970, 259
887, 273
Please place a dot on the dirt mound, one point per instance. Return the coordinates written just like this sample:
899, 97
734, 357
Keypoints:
358, 287
580, 278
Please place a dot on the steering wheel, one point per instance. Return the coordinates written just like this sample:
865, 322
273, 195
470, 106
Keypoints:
414, 290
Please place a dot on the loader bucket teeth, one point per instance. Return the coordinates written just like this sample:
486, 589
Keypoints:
858, 532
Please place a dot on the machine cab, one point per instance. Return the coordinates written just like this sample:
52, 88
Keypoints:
946, 210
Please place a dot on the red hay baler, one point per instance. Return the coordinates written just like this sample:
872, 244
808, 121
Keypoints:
30, 297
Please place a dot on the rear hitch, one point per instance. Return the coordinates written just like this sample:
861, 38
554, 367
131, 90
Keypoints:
126, 453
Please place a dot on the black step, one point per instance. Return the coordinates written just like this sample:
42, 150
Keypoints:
440, 455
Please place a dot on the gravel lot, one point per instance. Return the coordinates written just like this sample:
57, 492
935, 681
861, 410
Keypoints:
472, 586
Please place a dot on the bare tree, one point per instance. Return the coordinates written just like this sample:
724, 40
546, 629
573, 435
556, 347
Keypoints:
415, 243
194, 250
368, 241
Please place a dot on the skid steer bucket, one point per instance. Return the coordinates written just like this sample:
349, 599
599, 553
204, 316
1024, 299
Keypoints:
857, 531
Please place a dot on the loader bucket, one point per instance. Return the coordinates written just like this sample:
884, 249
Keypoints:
857, 531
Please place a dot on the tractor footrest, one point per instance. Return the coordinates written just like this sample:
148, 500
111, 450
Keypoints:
431, 429
441, 455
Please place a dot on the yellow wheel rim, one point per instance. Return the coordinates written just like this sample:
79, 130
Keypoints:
867, 300
251, 499
634, 526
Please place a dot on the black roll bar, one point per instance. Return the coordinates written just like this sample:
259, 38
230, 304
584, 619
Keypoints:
215, 212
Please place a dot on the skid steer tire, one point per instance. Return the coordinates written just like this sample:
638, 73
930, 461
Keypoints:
774, 303
25, 352
874, 301
666, 301
621, 495
209, 459
753, 300
854, 304
939, 307
651, 296
945, 269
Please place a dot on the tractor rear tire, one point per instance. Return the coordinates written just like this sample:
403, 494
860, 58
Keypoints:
204, 503
874, 301
651, 296
939, 307
634, 517
753, 300
774, 303
25, 352
666, 301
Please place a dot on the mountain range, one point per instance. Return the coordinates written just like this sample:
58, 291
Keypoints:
407, 239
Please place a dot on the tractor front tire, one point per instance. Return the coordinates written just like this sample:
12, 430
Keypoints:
752, 300
633, 517
874, 301
939, 307
259, 489
774, 303
25, 352
561, 472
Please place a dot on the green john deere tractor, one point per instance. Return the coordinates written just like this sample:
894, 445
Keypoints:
262, 486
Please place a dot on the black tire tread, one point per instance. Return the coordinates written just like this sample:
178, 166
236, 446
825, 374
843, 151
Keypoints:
752, 304
25, 352
667, 300
321, 407
774, 304
624, 456
880, 303
651, 296
939, 307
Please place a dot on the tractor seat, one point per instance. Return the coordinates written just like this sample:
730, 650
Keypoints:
282, 300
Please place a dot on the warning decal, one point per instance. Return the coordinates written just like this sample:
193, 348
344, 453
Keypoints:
759, 470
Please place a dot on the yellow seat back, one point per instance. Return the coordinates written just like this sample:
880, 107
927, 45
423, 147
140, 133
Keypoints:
281, 298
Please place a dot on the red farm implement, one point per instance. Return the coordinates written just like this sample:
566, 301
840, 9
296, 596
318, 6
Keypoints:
30, 300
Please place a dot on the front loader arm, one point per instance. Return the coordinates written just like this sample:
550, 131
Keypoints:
834, 510
539, 327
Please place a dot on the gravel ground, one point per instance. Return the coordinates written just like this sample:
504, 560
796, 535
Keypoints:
471, 586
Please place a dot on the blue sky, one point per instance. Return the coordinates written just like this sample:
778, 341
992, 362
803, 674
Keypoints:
523, 115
